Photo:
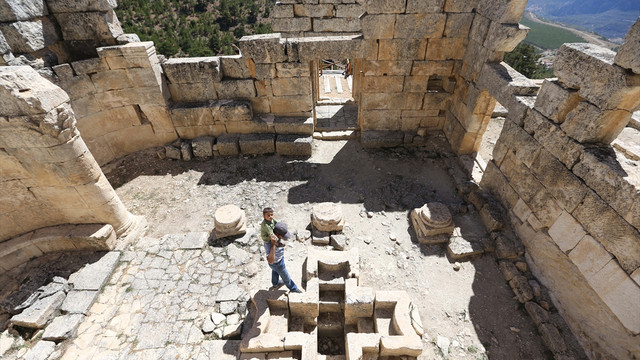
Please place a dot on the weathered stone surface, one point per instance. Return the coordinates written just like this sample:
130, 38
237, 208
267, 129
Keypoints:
384, 7
186, 150
29, 36
509, 271
263, 48
66, 6
589, 256
554, 101
94, 276
566, 232
521, 288
237, 67
537, 313
294, 25
89, 25
505, 247
566, 188
295, 145
78, 302
505, 37
203, 147
63, 327
226, 145
192, 70
378, 26
338, 241
327, 217
336, 25
458, 25
313, 10
552, 338
173, 152
502, 11
419, 26
37, 315
41, 350
424, 6
22, 10
627, 55
291, 86
460, 6
349, 11
257, 144
461, 249
589, 124
233, 89
613, 232
335, 47
589, 68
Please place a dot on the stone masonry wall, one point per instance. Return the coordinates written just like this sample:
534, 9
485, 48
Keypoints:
118, 100
45, 33
572, 200
48, 175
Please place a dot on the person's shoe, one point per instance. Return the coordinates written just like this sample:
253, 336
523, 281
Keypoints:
297, 291
276, 286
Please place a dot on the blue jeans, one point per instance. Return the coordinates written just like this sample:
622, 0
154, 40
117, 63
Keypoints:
279, 270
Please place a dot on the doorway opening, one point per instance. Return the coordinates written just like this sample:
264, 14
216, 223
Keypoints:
336, 95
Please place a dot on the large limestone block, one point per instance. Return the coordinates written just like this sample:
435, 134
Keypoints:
227, 111
89, 26
4, 46
294, 125
458, 25
291, 86
381, 120
420, 26
381, 138
237, 67
262, 49
63, 327
387, 68
336, 25
505, 37
294, 145
38, 314
554, 101
226, 145
192, 70
358, 344
29, 36
334, 47
191, 116
599, 168
295, 25
429, 68
297, 105
384, 6
627, 56
68, 6
232, 89
378, 26
424, 6
193, 92
404, 49
587, 123
395, 101
620, 293
89, 66
292, 69
589, 256
257, 144
566, 232
446, 49
503, 82
562, 184
24, 92
590, 69
313, 10
391, 84
460, 6
613, 232
11, 10
553, 138
502, 11
358, 300
349, 11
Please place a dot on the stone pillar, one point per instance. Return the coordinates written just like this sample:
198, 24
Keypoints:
47, 174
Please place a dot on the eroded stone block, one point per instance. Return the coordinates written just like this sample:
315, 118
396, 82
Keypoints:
627, 55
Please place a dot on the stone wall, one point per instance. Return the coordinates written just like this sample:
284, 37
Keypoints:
45, 33
48, 175
118, 99
572, 200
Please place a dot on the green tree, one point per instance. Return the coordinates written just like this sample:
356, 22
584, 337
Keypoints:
525, 60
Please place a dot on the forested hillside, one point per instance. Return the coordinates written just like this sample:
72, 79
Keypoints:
194, 27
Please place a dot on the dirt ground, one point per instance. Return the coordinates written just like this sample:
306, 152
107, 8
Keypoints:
473, 308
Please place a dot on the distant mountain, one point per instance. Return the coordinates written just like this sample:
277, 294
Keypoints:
609, 18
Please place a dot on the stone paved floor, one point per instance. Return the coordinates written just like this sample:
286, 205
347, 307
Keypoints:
336, 117
154, 303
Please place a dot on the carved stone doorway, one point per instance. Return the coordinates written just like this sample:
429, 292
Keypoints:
336, 94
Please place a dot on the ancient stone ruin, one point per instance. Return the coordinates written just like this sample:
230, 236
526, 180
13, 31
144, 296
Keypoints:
560, 190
